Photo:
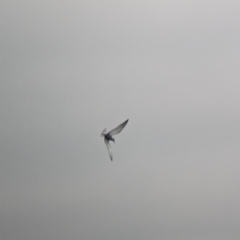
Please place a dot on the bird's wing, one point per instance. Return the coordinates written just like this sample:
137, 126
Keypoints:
104, 131
109, 148
118, 129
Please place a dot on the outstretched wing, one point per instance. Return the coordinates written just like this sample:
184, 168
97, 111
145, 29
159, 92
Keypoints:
109, 148
118, 129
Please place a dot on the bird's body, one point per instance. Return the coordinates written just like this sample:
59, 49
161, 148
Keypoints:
108, 136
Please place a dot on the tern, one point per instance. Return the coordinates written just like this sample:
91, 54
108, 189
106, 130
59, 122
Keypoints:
108, 136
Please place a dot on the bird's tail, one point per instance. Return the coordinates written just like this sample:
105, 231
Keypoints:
104, 131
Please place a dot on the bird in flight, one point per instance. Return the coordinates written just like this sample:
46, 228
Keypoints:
108, 136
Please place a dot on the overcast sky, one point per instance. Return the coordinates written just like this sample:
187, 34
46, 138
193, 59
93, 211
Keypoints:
71, 68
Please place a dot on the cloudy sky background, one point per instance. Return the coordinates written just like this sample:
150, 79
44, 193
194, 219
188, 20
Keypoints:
71, 68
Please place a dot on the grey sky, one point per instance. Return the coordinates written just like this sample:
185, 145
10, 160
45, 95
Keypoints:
71, 68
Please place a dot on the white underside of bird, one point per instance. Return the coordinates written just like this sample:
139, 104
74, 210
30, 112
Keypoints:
108, 136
